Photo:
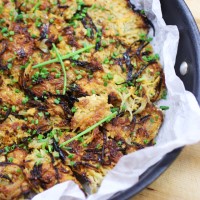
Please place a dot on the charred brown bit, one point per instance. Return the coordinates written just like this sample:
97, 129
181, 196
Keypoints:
93, 66
44, 31
142, 14
107, 109
3, 46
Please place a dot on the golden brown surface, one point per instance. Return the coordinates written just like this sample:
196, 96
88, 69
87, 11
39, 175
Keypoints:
75, 117
181, 181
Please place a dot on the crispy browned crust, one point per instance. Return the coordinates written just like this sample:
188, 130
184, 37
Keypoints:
121, 73
13, 182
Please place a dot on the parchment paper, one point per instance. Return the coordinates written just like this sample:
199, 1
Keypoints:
181, 125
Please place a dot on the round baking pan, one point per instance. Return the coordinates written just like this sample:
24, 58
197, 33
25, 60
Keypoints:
175, 13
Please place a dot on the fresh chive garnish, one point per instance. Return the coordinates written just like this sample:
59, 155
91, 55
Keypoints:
69, 55
108, 118
63, 68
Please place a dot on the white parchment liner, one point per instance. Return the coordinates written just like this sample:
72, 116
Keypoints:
181, 126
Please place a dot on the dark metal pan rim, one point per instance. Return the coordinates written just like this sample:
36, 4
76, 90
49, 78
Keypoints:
175, 13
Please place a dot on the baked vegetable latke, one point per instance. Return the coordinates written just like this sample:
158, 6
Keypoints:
78, 83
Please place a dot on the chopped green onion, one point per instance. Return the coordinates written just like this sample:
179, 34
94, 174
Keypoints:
164, 107
47, 113
57, 101
40, 114
11, 33
50, 148
51, 20
151, 58
17, 91
25, 100
78, 77
72, 163
119, 143
57, 91
98, 146
10, 159
60, 38
34, 36
105, 83
70, 156
40, 137
38, 24
164, 95
13, 109
80, 139
9, 65
89, 30
7, 149
152, 120
109, 76
106, 61
4, 30
5, 108
18, 170
114, 110
74, 109
146, 141
56, 154
39, 155
93, 91
140, 80
142, 12
2, 21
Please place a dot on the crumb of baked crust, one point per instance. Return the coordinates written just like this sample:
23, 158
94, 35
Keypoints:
90, 110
